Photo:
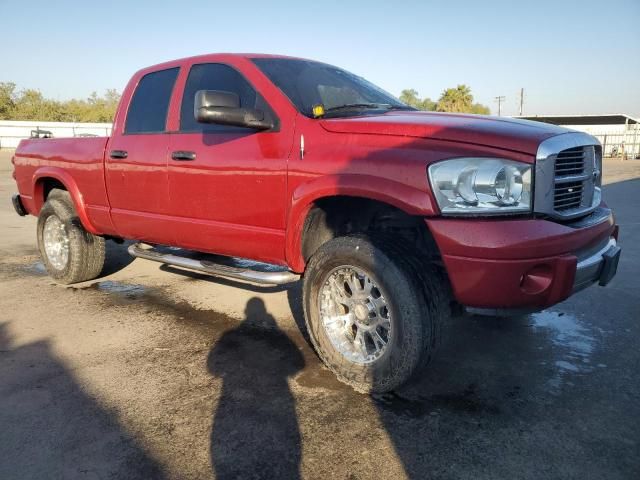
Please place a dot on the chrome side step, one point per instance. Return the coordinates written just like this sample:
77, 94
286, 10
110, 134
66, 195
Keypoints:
242, 270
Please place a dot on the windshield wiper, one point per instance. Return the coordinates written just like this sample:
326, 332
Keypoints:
401, 107
351, 106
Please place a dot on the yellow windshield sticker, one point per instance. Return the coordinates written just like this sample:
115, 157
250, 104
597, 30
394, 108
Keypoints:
318, 110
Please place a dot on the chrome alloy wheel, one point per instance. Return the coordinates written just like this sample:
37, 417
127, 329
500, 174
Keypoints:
355, 314
56, 242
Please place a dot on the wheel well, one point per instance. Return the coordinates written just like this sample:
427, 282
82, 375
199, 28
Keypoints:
49, 184
342, 215
43, 188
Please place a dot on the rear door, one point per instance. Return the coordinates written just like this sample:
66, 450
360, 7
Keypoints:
136, 162
227, 184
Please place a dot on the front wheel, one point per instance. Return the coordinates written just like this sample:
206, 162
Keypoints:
69, 253
373, 316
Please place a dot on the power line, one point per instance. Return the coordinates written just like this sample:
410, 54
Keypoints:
500, 99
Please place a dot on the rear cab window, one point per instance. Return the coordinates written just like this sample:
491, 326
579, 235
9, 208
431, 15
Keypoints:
149, 105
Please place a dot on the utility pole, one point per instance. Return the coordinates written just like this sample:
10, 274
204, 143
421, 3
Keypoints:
521, 100
500, 99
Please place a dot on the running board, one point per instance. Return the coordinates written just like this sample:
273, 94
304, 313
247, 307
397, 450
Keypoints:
248, 271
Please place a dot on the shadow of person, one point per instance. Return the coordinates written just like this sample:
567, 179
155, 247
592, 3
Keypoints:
255, 428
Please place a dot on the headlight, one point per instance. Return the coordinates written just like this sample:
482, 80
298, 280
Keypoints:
481, 186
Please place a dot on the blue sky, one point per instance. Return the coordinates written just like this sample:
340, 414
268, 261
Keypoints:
570, 56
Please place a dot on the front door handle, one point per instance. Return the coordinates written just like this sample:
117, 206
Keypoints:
118, 154
183, 156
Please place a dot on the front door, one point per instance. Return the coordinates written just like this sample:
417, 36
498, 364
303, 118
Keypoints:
227, 185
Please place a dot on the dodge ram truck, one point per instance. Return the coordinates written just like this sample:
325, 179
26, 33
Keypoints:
268, 169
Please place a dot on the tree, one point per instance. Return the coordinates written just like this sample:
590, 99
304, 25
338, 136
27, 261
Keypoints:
410, 97
460, 99
480, 109
32, 105
457, 99
7, 100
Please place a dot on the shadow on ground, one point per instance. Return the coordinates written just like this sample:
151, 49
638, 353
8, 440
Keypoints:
255, 431
51, 428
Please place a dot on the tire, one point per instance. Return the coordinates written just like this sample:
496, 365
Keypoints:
416, 305
85, 252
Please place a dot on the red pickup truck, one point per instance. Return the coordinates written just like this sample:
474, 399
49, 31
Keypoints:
395, 218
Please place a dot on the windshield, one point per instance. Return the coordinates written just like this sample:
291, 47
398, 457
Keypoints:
332, 91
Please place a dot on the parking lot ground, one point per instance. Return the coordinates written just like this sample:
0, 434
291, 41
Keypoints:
146, 373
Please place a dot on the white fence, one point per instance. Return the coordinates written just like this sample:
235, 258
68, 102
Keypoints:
11, 132
624, 145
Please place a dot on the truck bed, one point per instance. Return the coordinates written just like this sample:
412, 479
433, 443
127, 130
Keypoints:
76, 162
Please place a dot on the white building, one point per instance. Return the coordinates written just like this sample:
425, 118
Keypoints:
618, 133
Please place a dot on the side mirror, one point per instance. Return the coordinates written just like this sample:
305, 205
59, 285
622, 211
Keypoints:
223, 108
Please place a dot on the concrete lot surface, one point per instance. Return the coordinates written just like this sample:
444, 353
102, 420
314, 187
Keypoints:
145, 373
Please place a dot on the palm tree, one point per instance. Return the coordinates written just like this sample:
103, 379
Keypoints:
457, 99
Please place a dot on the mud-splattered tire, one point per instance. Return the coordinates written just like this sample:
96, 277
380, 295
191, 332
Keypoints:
415, 299
69, 253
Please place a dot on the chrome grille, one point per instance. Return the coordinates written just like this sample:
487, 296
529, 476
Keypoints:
567, 180
570, 179
567, 195
570, 161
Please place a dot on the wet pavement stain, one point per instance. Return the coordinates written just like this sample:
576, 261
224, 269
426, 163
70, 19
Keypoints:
18, 269
125, 289
36, 268
158, 301
572, 342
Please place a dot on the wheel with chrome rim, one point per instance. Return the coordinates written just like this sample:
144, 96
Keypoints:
366, 311
69, 253
355, 314
56, 242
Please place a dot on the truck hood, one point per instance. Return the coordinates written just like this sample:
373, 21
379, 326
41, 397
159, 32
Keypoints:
506, 133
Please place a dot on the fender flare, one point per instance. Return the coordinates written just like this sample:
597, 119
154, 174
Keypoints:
404, 197
41, 174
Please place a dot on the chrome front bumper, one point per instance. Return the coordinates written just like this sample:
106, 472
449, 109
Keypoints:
599, 266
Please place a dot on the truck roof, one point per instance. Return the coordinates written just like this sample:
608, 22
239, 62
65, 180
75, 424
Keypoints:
213, 57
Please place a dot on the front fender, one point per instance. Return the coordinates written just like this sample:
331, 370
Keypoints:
38, 181
408, 199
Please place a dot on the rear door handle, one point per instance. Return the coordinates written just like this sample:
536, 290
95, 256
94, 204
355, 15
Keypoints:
183, 156
118, 154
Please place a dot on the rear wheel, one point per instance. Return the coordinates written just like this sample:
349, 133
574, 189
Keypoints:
372, 313
69, 253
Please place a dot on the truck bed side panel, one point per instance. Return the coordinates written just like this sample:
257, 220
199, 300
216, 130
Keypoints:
78, 163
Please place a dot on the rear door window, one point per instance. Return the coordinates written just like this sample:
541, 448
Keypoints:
150, 103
